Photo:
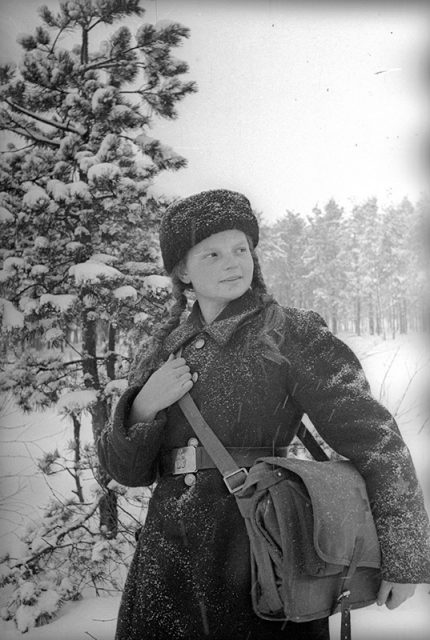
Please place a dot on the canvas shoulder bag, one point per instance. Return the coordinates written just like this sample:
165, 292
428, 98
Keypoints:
313, 544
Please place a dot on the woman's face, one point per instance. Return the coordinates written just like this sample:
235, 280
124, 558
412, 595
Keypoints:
220, 267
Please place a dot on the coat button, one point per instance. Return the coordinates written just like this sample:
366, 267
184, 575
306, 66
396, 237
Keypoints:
195, 376
189, 479
199, 343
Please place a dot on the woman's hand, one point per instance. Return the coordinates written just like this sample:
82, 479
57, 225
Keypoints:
392, 594
164, 387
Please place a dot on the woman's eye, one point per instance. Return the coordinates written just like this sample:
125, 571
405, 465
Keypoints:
242, 249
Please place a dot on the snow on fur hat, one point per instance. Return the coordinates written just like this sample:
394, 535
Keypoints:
190, 220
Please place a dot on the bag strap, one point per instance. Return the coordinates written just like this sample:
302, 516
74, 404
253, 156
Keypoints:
311, 444
207, 437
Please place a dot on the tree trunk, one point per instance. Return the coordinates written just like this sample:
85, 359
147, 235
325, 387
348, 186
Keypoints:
100, 415
379, 321
371, 317
84, 46
111, 358
77, 452
403, 316
358, 316
334, 323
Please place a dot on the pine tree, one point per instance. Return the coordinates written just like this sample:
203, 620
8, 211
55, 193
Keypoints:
81, 279
364, 267
323, 260
400, 262
282, 248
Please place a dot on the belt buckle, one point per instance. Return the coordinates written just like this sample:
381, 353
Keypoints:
185, 460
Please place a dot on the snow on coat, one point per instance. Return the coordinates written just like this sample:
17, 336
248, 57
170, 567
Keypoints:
190, 575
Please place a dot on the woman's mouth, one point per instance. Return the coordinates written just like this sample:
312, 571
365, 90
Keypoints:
232, 279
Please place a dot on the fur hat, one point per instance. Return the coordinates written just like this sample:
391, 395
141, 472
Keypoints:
191, 220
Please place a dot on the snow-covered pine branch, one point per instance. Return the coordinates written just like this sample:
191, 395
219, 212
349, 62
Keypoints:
81, 280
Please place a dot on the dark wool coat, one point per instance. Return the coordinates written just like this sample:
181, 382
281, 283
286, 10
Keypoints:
189, 578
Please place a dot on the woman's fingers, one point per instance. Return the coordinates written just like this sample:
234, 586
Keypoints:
174, 363
393, 594
384, 592
179, 380
400, 593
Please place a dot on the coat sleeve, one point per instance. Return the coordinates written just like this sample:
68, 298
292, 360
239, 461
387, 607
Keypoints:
329, 384
129, 454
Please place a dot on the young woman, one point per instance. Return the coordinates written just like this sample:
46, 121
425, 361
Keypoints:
253, 367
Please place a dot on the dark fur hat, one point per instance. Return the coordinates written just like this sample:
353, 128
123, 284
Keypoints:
191, 220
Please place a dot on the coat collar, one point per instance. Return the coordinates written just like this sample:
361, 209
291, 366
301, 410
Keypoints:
221, 329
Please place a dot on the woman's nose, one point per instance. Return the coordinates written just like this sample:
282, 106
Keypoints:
231, 261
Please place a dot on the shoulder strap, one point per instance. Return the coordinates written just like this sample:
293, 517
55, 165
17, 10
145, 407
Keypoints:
207, 437
216, 449
311, 444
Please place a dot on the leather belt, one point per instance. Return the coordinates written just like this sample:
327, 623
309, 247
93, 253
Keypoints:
194, 458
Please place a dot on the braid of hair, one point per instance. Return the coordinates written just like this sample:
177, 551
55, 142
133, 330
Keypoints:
271, 334
258, 284
178, 292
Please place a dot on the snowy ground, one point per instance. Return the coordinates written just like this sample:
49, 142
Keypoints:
399, 376
96, 618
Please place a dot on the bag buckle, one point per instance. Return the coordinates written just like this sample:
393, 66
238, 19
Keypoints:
344, 596
233, 487
184, 460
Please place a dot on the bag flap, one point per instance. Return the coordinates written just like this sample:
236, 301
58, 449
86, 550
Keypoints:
340, 508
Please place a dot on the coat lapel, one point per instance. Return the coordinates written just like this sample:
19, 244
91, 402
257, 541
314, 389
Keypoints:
222, 328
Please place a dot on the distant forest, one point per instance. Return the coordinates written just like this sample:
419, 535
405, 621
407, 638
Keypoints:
362, 270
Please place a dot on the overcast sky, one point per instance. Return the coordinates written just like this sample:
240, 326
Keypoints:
292, 108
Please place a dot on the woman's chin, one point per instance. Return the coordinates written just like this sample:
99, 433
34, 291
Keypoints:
235, 288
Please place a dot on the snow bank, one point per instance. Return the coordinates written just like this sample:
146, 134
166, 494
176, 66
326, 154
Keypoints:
62, 302
28, 612
91, 617
126, 291
77, 400
92, 272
